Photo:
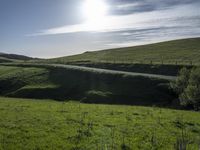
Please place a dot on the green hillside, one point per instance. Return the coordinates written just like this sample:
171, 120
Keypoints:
15, 56
82, 84
5, 58
36, 124
185, 51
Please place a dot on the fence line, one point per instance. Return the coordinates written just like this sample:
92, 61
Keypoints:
147, 62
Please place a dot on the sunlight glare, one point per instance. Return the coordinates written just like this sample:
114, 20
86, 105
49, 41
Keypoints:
94, 9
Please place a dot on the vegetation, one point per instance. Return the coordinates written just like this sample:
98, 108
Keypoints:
83, 85
185, 51
161, 69
34, 124
187, 86
64, 124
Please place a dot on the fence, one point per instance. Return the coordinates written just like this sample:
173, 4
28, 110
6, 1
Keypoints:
149, 62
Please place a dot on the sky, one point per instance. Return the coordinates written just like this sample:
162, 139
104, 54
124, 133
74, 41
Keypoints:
54, 28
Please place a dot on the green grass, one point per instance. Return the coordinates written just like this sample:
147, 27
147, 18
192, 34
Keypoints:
36, 124
172, 52
84, 85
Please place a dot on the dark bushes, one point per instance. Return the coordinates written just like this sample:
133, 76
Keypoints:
187, 86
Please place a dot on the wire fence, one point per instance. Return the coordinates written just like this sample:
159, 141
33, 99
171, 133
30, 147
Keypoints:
147, 62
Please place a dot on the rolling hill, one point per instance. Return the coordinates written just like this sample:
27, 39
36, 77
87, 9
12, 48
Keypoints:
184, 51
13, 58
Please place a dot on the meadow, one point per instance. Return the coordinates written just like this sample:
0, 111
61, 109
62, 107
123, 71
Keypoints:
37, 124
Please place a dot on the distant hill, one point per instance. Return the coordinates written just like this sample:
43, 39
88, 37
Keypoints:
14, 57
184, 50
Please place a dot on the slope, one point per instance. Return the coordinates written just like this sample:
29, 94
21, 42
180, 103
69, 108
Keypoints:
182, 51
84, 84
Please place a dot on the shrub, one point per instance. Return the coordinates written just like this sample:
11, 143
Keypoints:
182, 81
187, 86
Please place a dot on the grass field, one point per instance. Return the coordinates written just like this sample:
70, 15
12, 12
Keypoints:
186, 51
37, 124
86, 85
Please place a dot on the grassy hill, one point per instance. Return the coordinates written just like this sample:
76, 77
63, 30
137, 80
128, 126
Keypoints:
13, 58
36, 124
185, 51
86, 85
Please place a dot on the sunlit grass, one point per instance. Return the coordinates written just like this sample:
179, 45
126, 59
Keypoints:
37, 124
184, 51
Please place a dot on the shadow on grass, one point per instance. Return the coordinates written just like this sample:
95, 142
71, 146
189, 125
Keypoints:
94, 87
160, 69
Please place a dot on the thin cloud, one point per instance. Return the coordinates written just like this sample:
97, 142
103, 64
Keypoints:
168, 18
125, 7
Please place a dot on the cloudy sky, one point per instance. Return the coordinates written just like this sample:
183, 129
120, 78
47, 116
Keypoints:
52, 28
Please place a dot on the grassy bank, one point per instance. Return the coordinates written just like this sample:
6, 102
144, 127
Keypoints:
83, 85
34, 124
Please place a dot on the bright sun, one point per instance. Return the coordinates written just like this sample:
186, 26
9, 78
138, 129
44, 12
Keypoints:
94, 9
